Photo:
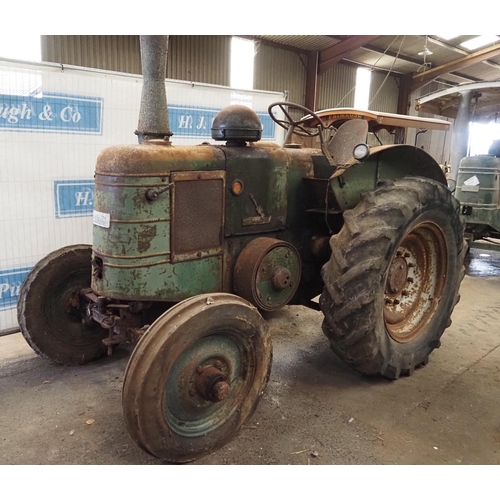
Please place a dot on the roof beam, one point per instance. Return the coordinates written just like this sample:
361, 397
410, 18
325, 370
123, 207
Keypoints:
421, 79
332, 55
312, 80
458, 50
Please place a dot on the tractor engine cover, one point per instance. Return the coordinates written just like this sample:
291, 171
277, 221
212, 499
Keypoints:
267, 273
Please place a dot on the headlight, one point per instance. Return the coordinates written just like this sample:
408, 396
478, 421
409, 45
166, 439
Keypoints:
361, 151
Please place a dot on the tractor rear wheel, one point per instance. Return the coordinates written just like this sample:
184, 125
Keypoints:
393, 277
196, 376
49, 309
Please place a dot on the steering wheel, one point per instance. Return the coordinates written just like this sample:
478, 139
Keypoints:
297, 125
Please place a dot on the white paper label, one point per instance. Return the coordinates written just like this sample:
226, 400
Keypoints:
470, 189
101, 219
472, 181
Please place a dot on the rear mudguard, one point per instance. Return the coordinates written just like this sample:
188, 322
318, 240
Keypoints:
384, 163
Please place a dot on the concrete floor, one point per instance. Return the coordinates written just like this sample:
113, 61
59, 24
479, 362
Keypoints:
315, 410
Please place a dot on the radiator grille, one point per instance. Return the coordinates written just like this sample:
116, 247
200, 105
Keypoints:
197, 214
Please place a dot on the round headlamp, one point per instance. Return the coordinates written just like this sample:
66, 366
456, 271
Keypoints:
361, 151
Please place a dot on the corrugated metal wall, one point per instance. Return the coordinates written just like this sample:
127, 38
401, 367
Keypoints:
113, 53
384, 91
280, 70
193, 58
385, 98
336, 87
203, 59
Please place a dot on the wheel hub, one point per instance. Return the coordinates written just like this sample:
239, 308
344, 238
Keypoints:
280, 277
398, 275
212, 384
415, 282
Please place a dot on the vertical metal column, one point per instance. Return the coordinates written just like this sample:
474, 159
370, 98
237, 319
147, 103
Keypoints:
460, 133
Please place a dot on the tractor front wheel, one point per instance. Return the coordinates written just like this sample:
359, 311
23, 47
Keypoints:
196, 376
393, 277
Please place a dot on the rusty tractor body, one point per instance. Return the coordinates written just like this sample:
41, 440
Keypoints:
190, 243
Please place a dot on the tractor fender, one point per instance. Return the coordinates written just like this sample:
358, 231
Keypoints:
385, 163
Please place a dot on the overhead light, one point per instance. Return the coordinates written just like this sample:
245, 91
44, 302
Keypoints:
425, 52
447, 37
479, 41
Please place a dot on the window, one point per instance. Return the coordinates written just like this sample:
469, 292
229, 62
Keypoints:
362, 92
242, 58
25, 46
480, 41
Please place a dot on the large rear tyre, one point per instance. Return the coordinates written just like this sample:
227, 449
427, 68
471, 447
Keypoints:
196, 377
393, 277
49, 309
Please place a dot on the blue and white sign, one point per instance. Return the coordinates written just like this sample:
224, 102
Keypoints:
63, 113
10, 285
73, 198
189, 121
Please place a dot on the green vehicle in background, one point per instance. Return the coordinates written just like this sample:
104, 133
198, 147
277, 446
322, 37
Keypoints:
475, 179
478, 191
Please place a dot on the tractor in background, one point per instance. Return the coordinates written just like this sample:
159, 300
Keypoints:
478, 191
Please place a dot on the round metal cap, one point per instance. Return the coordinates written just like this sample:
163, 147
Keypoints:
236, 123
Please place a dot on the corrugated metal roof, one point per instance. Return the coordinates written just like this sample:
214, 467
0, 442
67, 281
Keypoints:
303, 42
381, 53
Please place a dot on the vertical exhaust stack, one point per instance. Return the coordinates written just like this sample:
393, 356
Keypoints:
153, 115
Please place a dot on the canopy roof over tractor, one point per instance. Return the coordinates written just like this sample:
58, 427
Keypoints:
377, 120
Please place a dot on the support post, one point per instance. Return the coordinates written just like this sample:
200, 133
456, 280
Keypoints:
460, 140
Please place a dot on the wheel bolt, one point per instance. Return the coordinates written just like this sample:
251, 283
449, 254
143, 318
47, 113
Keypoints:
396, 302
411, 264
398, 253
407, 254
410, 280
388, 301
404, 292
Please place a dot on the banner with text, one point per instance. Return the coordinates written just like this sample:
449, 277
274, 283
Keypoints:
53, 124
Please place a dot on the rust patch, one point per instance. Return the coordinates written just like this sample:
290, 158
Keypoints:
145, 237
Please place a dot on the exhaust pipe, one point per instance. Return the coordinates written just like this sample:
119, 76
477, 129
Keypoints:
153, 115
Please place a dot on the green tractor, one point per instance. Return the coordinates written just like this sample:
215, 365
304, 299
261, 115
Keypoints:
478, 191
192, 243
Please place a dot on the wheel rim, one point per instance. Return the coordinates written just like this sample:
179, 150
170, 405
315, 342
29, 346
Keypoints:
63, 314
207, 383
415, 282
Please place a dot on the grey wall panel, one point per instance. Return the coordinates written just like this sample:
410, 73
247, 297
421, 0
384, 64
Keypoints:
384, 92
280, 70
336, 87
384, 95
203, 59
108, 52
